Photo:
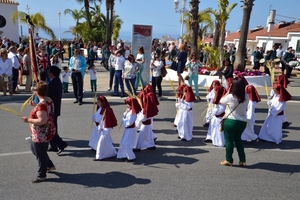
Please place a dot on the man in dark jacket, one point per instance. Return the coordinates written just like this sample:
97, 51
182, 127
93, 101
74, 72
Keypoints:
55, 93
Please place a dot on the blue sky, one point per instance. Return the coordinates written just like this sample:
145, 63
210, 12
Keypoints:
158, 13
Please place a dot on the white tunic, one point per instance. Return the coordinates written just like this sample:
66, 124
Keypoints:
217, 137
210, 97
185, 120
95, 133
105, 148
272, 128
129, 136
249, 133
145, 137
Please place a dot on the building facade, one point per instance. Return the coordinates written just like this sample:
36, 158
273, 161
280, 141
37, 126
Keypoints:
7, 28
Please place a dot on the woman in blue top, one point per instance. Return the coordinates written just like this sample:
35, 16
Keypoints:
182, 57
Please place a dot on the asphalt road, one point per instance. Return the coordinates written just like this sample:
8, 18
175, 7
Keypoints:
175, 170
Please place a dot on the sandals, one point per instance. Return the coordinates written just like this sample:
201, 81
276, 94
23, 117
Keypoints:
38, 180
242, 164
225, 163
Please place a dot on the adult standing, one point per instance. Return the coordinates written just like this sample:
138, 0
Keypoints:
156, 66
77, 65
193, 65
236, 120
279, 54
15, 70
20, 55
55, 93
111, 65
41, 123
37, 39
227, 69
105, 55
256, 57
119, 67
5, 71
182, 58
288, 56
129, 74
43, 62
140, 58
27, 67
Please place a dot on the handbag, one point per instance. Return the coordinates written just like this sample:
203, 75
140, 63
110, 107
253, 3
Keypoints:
223, 119
174, 65
163, 71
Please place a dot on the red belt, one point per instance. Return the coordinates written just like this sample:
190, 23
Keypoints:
131, 126
220, 115
147, 122
281, 113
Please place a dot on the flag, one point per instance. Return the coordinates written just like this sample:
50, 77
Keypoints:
33, 54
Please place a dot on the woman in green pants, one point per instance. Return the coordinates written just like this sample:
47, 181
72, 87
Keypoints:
236, 121
140, 58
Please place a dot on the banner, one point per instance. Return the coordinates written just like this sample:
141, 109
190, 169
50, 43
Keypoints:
142, 36
34, 67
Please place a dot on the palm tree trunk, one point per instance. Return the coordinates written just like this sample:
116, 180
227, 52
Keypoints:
239, 63
107, 21
194, 25
221, 43
87, 10
216, 35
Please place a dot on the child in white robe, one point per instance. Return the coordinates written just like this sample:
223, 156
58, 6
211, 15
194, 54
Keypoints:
129, 135
185, 114
218, 112
272, 128
145, 139
105, 148
178, 100
254, 98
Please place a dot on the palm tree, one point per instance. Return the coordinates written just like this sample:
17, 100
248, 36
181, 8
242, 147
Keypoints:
194, 24
110, 5
37, 19
87, 10
77, 15
239, 63
221, 15
117, 22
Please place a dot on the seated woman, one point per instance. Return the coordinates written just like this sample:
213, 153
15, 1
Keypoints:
227, 69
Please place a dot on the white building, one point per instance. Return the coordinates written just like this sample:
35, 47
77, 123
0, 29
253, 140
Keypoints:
7, 28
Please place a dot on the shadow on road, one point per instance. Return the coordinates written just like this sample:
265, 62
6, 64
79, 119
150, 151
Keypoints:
276, 167
111, 180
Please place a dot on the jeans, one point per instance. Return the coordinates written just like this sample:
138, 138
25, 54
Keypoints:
15, 76
111, 76
130, 85
156, 82
118, 81
194, 78
77, 85
93, 85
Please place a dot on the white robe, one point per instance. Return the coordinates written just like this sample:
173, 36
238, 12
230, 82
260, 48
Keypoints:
176, 117
185, 120
129, 136
94, 138
216, 136
249, 133
210, 97
105, 148
271, 130
145, 137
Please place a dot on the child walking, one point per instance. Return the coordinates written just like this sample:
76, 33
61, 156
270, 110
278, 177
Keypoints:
93, 78
65, 79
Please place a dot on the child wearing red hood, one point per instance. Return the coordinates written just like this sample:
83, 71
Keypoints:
185, 120
271, 130
105, 120
129, 135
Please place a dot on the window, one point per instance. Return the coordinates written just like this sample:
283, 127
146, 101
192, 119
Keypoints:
298, 46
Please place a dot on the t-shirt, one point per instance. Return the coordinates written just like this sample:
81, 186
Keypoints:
65, 76
240, 112
92, 74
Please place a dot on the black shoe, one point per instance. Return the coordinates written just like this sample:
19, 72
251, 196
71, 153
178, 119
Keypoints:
136, 150
183, 139
130, 160
286, 124
152, 148
53, 149
179, 137
207, 141
80, 103
114, 95
206, 125
61, 150
38, 180
75, 101
122, 96
155, 139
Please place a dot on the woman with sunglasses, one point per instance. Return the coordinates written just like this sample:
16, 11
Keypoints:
5, 71
131, 69
156, 66
193, 65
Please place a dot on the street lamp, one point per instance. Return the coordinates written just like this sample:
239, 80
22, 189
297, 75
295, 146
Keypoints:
182, 10
59, 25
27, 8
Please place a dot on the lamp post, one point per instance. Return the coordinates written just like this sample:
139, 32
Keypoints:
27, 8
59, 25
182, 10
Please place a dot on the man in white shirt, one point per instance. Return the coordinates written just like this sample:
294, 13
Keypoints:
37, 39
5, 42
279, 54
119, 67
15, 70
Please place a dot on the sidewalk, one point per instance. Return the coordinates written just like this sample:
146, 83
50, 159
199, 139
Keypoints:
168, 92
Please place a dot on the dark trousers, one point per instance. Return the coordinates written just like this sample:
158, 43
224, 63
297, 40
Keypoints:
57, 142
267, 71
130, 85
118, 81
288, 71
77, 85
40, 151
256, 65
156, 82
282, 66
15, 76
93, 85
111, 76
65, 86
